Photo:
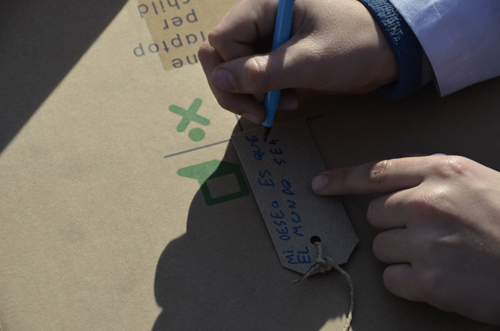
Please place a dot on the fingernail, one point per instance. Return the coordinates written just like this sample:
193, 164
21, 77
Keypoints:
223, 80
319, 183
289, 105
251, 117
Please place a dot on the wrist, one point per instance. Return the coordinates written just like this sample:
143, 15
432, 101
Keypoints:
411, 61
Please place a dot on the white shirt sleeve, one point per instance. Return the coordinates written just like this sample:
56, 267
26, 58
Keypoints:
460, 37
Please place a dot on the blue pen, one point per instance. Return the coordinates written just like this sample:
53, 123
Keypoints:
282, 30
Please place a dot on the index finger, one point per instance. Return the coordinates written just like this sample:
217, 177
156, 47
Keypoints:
247, 22
375, 177
240, 104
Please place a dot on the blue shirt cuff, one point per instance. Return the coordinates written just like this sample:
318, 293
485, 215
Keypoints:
414, 69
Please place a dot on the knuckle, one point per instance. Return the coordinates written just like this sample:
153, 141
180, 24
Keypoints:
450, 166
438, 198
431, 281
431, 201
259, 73
343, 176
204, 51
224, 103
341, 180
428, 248
216, 37
378, 172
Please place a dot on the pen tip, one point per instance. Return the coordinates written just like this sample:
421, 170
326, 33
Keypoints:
267, 131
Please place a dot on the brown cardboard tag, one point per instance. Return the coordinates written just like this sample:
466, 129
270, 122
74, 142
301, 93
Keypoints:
280, 173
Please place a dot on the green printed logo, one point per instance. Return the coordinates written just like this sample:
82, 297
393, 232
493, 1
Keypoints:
207, 171
188, 116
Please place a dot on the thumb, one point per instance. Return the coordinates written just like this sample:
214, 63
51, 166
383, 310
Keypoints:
262, 73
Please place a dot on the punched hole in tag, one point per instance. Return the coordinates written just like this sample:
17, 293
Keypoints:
315, 239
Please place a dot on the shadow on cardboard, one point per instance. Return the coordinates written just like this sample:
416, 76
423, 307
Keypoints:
223, 274
40, 41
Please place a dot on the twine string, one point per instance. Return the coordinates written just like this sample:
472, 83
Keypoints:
324, 264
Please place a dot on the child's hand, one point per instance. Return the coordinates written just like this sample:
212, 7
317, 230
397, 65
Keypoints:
440, 229
335, 47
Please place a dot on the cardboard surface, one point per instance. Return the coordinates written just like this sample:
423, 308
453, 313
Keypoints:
99, 231
280, 173
177, 28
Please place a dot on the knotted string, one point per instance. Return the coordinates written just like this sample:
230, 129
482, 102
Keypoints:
324, 264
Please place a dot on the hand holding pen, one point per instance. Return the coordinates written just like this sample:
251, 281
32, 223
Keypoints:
334, 47
282, 29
